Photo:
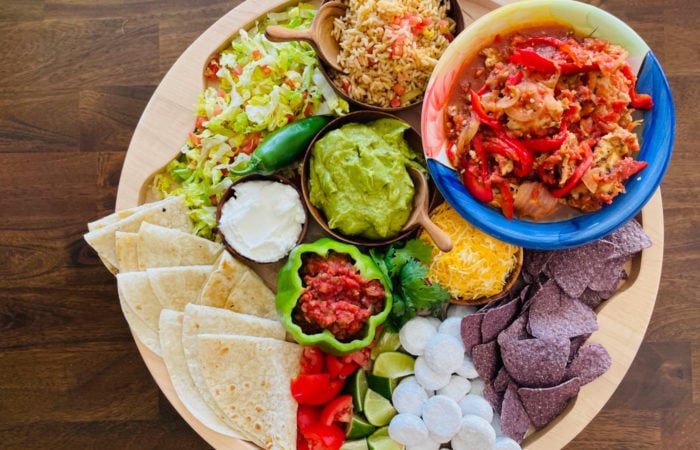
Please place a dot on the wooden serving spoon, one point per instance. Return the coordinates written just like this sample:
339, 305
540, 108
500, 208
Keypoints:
420, 215
319, 34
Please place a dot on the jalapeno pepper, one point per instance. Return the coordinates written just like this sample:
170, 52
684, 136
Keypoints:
283, 146
291, 287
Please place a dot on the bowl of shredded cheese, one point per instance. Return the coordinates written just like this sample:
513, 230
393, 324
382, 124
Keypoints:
480, 268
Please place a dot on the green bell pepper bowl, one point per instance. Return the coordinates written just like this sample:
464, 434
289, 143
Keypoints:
290, 287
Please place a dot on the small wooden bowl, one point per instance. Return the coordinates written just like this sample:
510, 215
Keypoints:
232, 190
512, 280
455, 13
414, 141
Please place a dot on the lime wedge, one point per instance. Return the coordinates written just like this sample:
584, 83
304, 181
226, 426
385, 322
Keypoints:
388, 341
393, 365
358, 444
382, 385
359, 427
378, 409
357, 387
380, 440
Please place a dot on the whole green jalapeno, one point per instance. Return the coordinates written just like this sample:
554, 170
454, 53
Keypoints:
284, 146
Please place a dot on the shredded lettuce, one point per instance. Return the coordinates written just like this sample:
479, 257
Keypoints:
259, 86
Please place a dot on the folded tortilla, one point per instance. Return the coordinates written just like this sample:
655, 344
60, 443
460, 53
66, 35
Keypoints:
249, 380
235, 286
141, 331
175, 287
170, 332
127, 252
170, 212
135, 291
198, 319
160, 246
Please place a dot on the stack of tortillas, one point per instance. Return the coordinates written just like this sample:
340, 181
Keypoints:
210, 317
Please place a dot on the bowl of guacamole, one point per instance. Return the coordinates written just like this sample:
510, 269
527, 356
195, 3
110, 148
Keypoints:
355, 180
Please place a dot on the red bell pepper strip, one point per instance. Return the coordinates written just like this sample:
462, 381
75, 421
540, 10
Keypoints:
523, 158
548, 144
514, 79
562, 46
477, 186
480, 150
533, 60
506, 199
480, 113
638, 101
578, 173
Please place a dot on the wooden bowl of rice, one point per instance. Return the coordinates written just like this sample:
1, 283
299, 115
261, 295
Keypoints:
389, 50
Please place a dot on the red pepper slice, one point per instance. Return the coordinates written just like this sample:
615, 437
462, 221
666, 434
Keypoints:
315, 389
307, 415
533, 60
480, 112
514, 79
548, 144
523, 158
560, 45
475, 184
578, 173
506, 199
337, 410
638, 101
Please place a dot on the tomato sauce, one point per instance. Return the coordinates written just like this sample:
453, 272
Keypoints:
336, 297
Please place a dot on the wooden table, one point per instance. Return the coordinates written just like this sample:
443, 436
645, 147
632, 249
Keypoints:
76, 78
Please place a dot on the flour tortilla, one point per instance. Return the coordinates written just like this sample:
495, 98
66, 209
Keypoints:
235, 286
135, 291
140, 329
175, 287
160, 246
198, 319
127, 253
111, 218
170, 332
249, 380
170, 212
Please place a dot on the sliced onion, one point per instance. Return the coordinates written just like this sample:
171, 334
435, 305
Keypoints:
534, 200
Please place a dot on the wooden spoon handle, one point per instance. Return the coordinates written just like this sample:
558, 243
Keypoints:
441, 239
276, 33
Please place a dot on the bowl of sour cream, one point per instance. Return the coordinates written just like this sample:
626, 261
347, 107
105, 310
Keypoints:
261, 218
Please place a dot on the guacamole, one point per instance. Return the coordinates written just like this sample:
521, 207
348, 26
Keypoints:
358, 178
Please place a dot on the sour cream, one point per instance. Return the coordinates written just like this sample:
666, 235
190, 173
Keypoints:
262, 220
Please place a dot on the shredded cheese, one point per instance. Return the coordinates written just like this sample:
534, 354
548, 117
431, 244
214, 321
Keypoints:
478, 265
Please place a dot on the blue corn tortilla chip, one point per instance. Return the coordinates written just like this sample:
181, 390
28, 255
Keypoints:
590, 362
629, 239
514, 419
494, 398
544, 404
502, 380
498, 318
486, 360
576, 343
591, 298
553, 313
610, 275
516, 330
535, 263
539, 362
471, 331
574, 268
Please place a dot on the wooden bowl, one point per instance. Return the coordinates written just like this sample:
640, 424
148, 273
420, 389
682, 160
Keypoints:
513, 278
414, 141
231, 192
455, 13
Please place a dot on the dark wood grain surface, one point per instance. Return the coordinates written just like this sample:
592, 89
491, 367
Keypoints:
74, 80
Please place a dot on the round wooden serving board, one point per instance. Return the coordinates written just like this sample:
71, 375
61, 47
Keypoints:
168, 118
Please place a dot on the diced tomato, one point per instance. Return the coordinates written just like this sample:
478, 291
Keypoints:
397, 46
217, 110
238, 70
360, 357
195, 140
312, 360
301, 442
250, 143
213, 200
315, 389
337, 368
324, 437
395, 102
199, 122
307, 415
337, 410
211, 69
221, 93
256, 54
399, 89
265, 69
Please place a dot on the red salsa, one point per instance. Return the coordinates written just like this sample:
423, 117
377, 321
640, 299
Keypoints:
336, 297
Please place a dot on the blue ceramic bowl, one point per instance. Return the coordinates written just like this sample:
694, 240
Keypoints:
657, 132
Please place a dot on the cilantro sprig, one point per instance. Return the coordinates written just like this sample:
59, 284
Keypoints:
407, 268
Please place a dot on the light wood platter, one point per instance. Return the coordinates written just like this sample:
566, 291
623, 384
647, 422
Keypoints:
163, 128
